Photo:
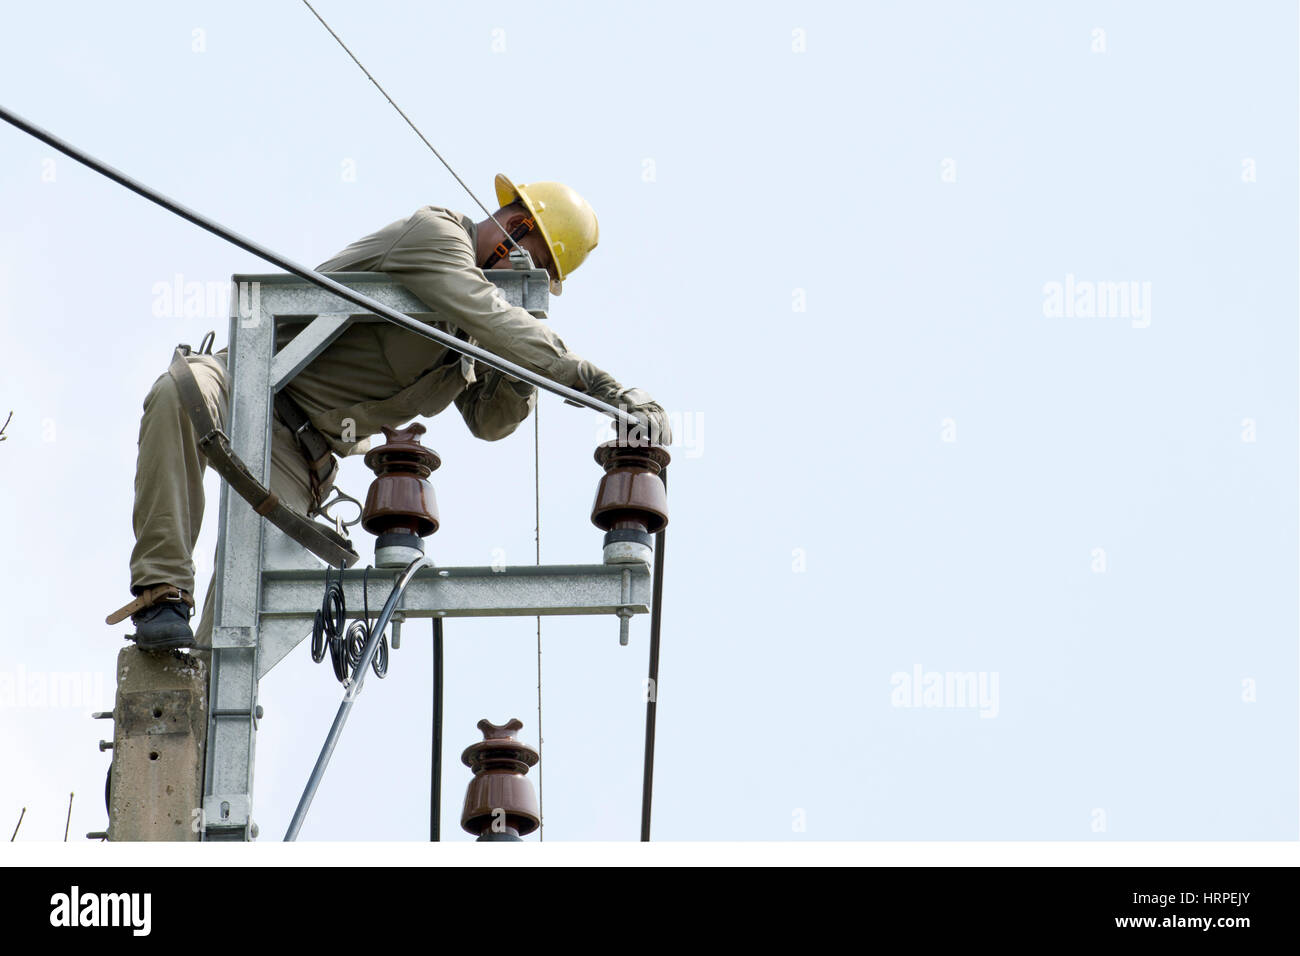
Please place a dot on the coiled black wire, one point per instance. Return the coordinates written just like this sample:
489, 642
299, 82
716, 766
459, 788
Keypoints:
330, 619
339, 658
345, 648
334, 611
378, 663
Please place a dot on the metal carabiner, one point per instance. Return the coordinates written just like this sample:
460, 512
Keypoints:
339, 524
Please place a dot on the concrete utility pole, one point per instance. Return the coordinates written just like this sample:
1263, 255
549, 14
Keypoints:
160, 722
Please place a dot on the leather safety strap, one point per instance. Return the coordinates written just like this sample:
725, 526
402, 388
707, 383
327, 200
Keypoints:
324, 542
317, 451
148, 598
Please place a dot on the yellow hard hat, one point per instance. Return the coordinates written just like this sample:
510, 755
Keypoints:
566, 221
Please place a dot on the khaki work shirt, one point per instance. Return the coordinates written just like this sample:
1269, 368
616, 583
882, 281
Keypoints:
377, 373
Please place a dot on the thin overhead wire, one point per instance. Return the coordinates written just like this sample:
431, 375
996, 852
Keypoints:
410, 122
537, 531
537, 499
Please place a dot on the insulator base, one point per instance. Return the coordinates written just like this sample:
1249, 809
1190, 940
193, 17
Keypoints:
397, 549
628, 546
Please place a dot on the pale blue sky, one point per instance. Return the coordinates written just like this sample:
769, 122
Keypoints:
779, 178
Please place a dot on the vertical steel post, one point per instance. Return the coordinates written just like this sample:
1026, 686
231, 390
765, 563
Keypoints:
232, 689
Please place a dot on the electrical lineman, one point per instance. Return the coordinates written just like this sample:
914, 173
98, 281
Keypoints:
369, 377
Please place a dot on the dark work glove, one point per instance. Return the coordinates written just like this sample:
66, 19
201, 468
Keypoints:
636, 401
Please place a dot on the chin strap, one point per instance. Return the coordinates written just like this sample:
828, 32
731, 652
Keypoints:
502, 250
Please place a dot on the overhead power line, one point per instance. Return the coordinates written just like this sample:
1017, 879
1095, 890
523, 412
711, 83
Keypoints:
409, 122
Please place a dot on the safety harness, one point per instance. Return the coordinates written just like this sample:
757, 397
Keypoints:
324, 542
323, 466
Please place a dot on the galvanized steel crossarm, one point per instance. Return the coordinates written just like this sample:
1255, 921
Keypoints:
523, 591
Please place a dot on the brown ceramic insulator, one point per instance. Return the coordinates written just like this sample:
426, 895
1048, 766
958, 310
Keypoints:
631, 493
499, 787
400, 498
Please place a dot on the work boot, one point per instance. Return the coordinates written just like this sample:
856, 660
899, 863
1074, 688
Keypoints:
161, 616
163, 626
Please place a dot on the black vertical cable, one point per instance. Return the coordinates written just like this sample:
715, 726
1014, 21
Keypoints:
656, 619
435, 779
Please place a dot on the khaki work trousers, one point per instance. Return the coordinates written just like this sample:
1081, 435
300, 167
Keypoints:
169, 482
